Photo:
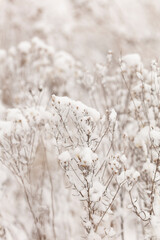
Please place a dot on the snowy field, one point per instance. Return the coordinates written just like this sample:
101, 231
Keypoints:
79, 120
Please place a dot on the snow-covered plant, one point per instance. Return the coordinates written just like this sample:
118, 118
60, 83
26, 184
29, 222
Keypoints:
93, 175
79, 128
19, 139
35, 68
137, 106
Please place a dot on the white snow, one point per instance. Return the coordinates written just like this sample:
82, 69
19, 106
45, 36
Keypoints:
112, 116
65, 157
77, 106
132, 60
96, 191
86, 156
24, 47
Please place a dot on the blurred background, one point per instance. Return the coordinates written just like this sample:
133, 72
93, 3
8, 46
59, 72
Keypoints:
87, 29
